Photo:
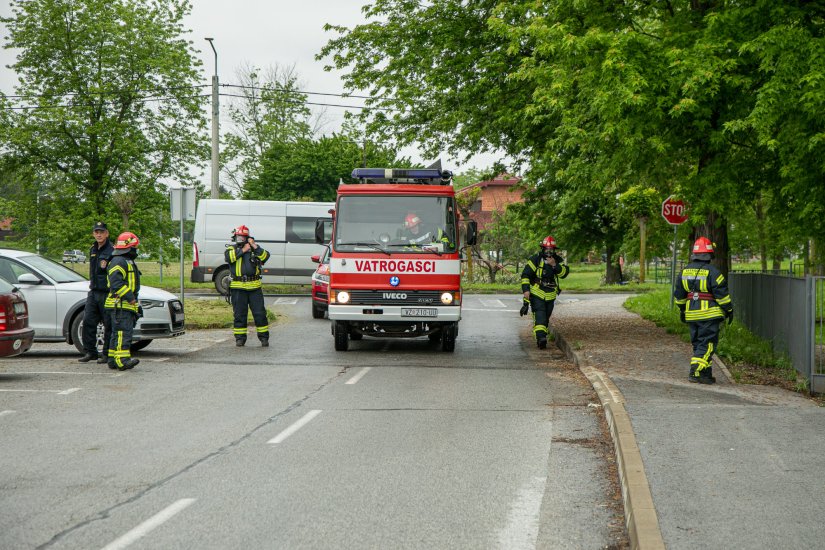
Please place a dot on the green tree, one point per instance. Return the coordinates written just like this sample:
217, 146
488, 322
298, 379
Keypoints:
109, 97
267, 107
310, 169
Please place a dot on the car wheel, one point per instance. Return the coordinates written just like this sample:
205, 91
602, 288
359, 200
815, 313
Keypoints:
139, 345
317, 311
222, 281
77, 334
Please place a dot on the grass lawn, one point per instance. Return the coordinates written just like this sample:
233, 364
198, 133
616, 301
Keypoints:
582, 279
213, 314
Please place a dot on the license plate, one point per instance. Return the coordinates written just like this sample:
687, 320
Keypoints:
178, 317
419, 312
19, 308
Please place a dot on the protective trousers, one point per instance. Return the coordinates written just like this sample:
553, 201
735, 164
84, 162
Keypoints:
93, 314
123, 324
542, 310
242, 301
704, 335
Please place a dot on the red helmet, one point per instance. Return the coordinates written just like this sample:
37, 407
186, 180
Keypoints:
703, 246
411, 220
126, 240
240, 231
548, 242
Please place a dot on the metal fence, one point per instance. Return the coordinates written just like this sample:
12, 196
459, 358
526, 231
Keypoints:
787, 311
662, 271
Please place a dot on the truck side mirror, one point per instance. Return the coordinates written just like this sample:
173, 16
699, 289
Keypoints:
472, 232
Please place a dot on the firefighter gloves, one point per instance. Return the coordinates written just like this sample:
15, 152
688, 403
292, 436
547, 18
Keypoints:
524, 309
682, 316
729, 316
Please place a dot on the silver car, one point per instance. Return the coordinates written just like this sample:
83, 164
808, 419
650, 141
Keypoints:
57, 295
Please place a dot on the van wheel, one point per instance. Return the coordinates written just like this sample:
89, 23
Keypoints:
341, 333
448, 334
77, 334
317, 311
222, 281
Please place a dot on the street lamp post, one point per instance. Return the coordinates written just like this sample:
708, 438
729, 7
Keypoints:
215, 130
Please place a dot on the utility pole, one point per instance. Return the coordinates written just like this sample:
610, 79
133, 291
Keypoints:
215, 127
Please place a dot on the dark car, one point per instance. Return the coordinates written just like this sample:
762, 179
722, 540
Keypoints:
15, 335
320, 285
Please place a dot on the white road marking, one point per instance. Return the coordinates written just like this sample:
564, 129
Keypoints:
64, 372
492, 303
295, 427
159, 359
4, 413
359, 376
480, 309
59, 392
285, 301
522, 527
147, 526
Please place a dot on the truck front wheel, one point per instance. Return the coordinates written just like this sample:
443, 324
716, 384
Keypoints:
340, 331
448, 335
222, 281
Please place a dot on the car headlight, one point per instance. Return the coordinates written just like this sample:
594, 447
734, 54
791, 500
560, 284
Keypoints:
320, 277
447, 298
149, 304
342, 297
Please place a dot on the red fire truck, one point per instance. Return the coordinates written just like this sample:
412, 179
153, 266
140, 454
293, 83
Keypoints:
395, 267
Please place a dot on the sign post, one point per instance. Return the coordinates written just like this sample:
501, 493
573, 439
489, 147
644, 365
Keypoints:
182, 203
675, 213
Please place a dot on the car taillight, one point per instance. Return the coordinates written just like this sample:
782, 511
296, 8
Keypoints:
195, 258
3, 324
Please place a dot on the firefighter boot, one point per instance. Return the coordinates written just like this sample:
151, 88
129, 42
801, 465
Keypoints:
87, 357
692, 376
542, 342
264, 341
130, 363
706, 376
239, 342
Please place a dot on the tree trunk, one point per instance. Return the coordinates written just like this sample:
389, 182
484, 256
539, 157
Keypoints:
642, 238
613, 273
760, 233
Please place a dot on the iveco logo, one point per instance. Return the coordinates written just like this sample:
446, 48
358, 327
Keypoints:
395, 296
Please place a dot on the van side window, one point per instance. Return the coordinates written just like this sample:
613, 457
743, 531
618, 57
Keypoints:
300, 230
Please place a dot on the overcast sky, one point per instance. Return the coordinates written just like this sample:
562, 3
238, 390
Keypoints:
265, 33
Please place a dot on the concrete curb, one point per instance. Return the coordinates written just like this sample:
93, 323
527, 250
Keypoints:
640, 514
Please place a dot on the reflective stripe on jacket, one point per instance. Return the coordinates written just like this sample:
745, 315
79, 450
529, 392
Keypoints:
241, 265
124, 284
703, 293
541, 279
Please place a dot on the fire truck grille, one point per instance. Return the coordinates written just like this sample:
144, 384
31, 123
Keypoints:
395, 297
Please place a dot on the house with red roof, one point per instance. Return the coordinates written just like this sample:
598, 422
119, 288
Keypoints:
494, 196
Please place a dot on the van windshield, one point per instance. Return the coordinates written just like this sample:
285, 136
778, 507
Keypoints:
395, 223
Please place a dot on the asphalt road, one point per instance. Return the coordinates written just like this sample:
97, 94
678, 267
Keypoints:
393, 444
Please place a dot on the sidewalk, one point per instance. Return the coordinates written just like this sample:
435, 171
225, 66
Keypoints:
728, 465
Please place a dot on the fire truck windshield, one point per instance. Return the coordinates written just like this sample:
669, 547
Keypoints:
397, 223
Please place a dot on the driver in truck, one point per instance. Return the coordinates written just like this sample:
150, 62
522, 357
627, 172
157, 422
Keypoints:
414, 233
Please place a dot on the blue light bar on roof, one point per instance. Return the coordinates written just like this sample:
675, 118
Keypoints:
401, 173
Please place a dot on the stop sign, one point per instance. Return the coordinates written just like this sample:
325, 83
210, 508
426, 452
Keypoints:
674, 211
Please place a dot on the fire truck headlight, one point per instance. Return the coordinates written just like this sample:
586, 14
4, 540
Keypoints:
342, 297
447, 298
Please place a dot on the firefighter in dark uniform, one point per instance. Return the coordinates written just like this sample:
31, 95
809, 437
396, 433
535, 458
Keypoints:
122, 303
540, 286
703, 301
99, 257
245, 258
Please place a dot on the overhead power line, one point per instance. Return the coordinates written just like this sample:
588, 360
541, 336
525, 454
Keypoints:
297, 102
291, 91
108, 92
89, 105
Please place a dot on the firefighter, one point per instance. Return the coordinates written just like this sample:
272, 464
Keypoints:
245, 258
95, 312
414, 232
703, 301
540, 286
122, 303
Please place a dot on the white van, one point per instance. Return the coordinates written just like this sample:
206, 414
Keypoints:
285, 229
